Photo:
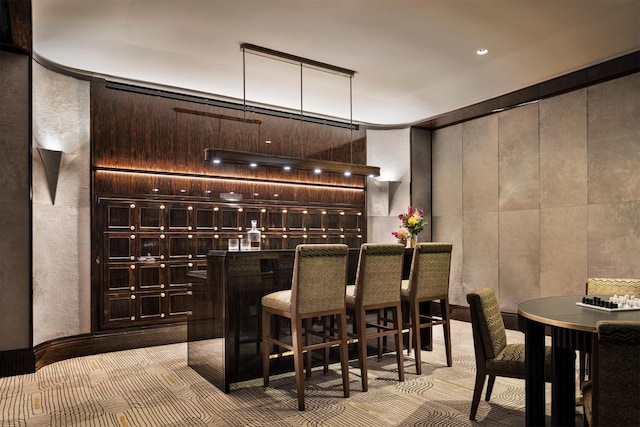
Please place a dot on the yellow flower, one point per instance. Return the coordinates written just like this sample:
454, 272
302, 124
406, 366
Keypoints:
412, 220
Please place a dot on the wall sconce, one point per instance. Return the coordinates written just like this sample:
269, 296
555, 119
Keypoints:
216, 156
52, 160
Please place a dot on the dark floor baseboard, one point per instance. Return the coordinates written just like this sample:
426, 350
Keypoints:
25, 361
86, 345
17, 362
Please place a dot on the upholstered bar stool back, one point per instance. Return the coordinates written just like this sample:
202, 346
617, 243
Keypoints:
428, 281
378, 281
317, 290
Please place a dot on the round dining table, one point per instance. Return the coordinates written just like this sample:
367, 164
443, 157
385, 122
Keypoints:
572, 327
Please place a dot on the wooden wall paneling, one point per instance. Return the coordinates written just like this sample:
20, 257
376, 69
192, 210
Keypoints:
122, 124
283, 133
239, 134
162, 151
149, 133
17, 34
360, 146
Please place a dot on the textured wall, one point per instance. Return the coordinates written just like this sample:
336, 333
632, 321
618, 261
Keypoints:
540, 197
389, 194
61, 231
15, 283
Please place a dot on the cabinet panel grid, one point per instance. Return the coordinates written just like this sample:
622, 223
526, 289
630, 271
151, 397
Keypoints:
149, 246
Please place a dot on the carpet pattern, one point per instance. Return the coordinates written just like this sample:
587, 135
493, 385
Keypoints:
154, 386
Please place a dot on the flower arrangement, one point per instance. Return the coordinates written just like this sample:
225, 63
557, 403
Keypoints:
401, 234
412, 221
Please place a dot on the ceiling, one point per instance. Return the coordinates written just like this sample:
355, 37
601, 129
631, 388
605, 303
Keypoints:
414, 59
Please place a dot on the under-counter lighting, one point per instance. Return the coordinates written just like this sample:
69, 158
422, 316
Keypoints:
254, 160
209, 180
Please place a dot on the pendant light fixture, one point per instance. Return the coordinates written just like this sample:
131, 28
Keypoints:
218, 156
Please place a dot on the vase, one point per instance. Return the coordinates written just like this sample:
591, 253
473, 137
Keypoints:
413, 241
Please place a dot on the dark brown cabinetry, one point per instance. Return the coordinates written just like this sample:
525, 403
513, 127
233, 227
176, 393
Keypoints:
150, 246
159, 208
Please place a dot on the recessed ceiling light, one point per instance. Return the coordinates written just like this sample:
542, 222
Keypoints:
482, 51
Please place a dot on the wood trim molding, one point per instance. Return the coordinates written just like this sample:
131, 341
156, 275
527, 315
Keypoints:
87, 345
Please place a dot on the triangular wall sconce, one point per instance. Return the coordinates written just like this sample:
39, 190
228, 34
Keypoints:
52, 160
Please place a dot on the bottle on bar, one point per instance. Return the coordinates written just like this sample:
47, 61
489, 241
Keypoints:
254, 236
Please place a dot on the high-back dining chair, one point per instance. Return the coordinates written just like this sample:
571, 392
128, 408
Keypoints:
317, 290
494, 356
606, 286
428, 281
612, 396
378, 281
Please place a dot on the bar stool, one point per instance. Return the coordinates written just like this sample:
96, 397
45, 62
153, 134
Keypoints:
378, 281
428, 281
317, 290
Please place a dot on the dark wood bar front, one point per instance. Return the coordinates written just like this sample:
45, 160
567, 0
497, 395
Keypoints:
223, 325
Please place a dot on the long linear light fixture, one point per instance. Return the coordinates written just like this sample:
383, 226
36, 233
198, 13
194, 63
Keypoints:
297, 60
216, 156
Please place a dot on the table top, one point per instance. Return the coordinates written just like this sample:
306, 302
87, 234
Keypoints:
562, 311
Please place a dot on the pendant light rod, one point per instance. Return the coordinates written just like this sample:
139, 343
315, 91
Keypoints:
287, 57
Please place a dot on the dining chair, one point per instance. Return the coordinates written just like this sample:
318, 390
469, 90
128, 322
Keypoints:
378, 281
428, 281
494, 356
318, 289
612, 396
605, 286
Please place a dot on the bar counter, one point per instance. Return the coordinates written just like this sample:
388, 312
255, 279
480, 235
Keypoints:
223, 327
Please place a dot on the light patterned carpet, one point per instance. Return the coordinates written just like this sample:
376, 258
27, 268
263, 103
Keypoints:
155, 387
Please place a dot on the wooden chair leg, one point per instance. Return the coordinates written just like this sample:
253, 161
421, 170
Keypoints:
296, 336
266, 330
397, 321
307, 336
477, 391
490, 383
362, 347
444, 306
327, 331
381, 314
344, 354
415, 328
